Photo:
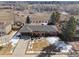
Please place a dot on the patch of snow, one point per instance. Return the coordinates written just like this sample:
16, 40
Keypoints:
60, 44
64, 13
14, 40
64, 51
52, 40
63, 46
44, 23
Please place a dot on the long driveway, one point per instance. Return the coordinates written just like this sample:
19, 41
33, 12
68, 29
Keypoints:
20, 48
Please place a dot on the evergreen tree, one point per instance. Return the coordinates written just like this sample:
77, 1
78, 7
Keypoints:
69, 30
28, 19
55, 17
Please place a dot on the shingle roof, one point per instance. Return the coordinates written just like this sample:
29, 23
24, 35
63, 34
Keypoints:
40, 17
38, 28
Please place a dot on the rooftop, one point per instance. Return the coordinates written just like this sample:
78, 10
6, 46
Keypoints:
38, 28
40, 16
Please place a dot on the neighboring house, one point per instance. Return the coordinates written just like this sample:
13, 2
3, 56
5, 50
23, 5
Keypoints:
6, 14
19, 16
64, 16
6, 19
4, 28
39, 18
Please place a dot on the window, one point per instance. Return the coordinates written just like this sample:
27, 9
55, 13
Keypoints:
39, 21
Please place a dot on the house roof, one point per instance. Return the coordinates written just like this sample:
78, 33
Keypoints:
40, 16
38, 28
5, 7
6, 15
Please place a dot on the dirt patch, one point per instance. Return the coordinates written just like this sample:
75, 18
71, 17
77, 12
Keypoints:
75, 45
36, 46
6, 50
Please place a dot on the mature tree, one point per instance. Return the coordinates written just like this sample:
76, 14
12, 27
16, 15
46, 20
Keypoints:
28, 20
55, 17
69, 29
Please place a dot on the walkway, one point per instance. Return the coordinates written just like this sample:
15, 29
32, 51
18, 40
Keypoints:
20, 48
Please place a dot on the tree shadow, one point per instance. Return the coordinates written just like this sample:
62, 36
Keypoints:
49, 50
1, 47
24, 37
